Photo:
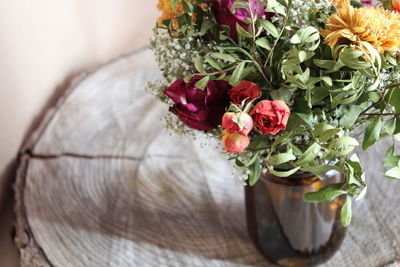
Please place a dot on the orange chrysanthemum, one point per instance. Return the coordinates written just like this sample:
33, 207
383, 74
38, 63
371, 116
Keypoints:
168, 11
377, 26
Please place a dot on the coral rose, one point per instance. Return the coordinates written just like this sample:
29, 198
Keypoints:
245, 91
199, 109
237, 122
234, 142
270, 116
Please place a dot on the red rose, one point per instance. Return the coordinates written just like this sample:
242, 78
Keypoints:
245, 90
238, 122
234, 142
270, 116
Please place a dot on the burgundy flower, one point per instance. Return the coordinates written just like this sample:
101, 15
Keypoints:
200, 110
222, 11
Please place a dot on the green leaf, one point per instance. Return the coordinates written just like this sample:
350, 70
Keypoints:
222, 56
393, 173
391, 151
391, 161
390, 126
281, 158
281, 139
356, 4
372, 133
237, 4
237, 74
350, 58
362, 193
255, 158
302, 56
306, 118
374, 96
355, 163
213, 63
259, 142
274, 6
201, 84
187, 78
198, 63
283, 173
206, 26
330, 65
283, 94
343, 141
242, 31
394, 98
239, 163
309, 155
350, 117
326, 194
374, 86
255, 172
346, 213
328, 134
321, 169
306, 35
174, 3
327, 80
188, 7
264, 43
320, 128
269, 27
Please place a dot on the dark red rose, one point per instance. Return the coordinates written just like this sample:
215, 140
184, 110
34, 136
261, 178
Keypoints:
245, 90
222, 11
200, 110
270, 116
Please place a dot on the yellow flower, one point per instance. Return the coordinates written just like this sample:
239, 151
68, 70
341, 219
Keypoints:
377, 26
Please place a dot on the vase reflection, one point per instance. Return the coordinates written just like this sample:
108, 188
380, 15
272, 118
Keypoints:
286, 229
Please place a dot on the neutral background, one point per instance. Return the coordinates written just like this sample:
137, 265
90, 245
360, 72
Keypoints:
42, 44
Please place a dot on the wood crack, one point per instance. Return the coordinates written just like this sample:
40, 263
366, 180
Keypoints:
95, 157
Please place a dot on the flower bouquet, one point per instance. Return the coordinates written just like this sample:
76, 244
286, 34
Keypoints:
288, 86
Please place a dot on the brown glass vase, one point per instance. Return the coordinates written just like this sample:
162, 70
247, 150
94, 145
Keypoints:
287, 230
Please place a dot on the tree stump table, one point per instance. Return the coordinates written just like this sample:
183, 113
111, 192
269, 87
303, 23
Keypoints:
100, 183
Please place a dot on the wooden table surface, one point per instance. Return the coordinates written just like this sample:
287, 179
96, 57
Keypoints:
100, 183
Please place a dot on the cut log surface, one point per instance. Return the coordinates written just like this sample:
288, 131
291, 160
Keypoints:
100, 183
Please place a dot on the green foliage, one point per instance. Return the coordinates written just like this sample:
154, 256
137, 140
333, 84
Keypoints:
326, 194
346, 213
255, 171
372, 133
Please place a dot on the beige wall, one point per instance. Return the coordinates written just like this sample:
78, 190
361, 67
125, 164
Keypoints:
44, 41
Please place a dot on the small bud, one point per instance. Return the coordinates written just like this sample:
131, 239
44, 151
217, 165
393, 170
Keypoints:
235, 142
237, 122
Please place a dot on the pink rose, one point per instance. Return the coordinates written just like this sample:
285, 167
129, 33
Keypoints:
270, 116
244, 91
235, 142
199, 109
239, 122
222, 11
